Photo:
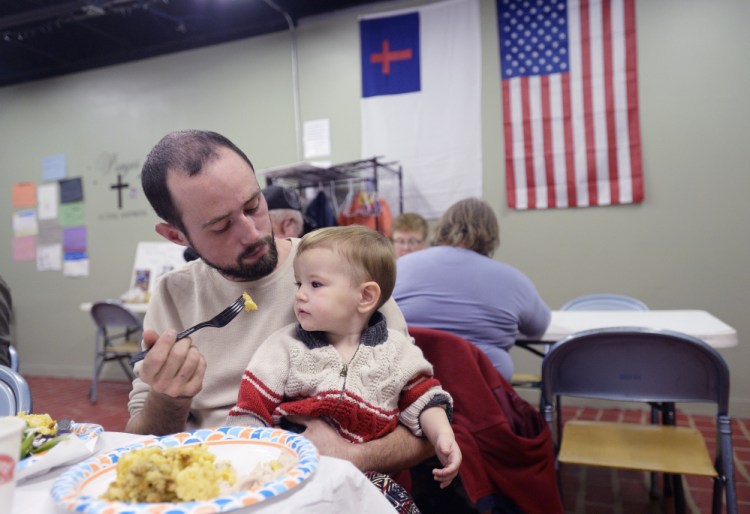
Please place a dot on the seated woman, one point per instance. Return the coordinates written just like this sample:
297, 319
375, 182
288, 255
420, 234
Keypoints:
457, 287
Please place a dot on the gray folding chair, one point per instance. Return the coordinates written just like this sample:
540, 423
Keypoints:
14, 364
642, 365
589, 302
621, 302
15, 394
604, 302
118, 338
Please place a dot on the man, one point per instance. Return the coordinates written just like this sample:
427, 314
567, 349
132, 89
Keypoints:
285, 210
204, 189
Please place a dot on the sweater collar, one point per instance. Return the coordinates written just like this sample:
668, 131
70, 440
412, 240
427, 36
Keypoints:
375, 333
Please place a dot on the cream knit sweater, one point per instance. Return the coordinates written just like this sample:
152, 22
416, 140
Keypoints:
296, 372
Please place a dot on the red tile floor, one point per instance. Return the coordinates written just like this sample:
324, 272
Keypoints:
586, 490
69, 398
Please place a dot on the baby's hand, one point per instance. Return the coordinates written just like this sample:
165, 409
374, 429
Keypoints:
447, 450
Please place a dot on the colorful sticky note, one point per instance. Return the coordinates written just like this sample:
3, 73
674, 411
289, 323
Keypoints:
72, 214
25, 223
24, 248
71, 190
74, 239
24, 195
49, 232
49, 257
53, 167
48, 199
76, 264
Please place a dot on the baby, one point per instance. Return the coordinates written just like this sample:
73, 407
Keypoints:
341, 362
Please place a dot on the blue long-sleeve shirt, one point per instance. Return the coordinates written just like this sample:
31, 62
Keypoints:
482, 300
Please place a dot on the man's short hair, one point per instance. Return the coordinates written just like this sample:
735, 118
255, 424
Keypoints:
186, 151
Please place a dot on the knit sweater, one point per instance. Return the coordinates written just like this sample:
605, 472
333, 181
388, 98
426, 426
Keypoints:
196, 292
296, 372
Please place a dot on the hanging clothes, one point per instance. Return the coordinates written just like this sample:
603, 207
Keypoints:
365, 208
320, 212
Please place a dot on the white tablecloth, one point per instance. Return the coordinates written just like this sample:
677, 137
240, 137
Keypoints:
336, 487
700, 324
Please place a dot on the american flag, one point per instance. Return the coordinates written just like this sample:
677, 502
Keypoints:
570, 103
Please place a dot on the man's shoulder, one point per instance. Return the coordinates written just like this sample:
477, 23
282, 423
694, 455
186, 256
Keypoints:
187, 272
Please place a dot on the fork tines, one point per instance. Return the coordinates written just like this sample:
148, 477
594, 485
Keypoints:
234, 309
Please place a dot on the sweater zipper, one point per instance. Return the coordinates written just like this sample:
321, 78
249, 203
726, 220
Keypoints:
343, 373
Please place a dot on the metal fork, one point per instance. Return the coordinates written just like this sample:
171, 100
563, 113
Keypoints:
220, 320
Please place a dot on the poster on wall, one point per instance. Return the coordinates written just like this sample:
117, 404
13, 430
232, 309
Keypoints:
152, 260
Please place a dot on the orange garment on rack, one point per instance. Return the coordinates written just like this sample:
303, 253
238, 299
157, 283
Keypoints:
360, 210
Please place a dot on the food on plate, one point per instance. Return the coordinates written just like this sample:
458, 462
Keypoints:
39, 435
249, 303
266, 471
155, 474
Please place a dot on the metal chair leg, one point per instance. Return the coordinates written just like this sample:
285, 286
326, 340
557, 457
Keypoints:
669, 417
726, 466
127, 369
98, 364
679, 493
654, 486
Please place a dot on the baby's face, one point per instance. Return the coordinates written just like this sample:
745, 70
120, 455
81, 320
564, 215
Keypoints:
326, 298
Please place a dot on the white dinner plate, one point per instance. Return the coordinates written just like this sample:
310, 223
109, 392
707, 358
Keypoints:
79, 489
69, 450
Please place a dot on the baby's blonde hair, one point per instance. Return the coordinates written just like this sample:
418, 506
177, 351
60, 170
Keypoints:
369, 253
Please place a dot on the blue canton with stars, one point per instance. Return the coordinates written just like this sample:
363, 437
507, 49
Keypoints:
533, 37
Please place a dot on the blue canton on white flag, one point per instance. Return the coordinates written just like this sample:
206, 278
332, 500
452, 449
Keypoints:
433, 128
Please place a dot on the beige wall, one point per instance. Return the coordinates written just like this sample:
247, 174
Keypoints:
686, 246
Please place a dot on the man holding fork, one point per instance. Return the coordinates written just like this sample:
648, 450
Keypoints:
206, 193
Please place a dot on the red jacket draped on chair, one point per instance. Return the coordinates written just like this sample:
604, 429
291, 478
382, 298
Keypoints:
506, 445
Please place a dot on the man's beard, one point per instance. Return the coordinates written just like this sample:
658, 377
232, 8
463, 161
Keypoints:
249, 272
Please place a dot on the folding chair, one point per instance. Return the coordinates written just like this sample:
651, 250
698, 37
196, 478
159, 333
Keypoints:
118, 337
15, 394
589, 302
14, 363
604, 302
621, 302
642, 365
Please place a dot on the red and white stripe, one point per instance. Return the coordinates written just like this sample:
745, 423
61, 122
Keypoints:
573, 139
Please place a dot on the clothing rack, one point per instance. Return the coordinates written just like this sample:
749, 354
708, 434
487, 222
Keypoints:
306, 175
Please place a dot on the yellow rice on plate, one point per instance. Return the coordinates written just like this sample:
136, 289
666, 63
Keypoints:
154, 474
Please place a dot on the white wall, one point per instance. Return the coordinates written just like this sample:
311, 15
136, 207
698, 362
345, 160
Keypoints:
686, 246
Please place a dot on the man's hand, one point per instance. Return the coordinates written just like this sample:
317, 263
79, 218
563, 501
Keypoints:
324, 437
174, 370
393, 452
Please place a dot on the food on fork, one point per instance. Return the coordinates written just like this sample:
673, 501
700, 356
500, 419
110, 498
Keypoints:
39, 435
155, 474
249, 303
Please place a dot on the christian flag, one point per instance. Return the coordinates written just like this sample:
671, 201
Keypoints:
421, 100
570, 103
